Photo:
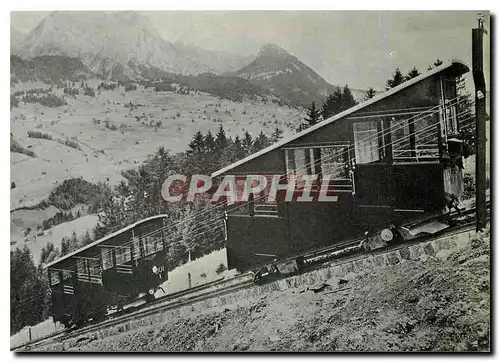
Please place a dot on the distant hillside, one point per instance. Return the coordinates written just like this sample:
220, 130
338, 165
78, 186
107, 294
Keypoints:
16, 37
50, 69
287, 77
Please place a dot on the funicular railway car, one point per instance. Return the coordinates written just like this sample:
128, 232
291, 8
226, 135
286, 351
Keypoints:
393, 162
112, 271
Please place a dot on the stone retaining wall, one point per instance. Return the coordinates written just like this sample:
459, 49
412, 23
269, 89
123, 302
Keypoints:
439, 248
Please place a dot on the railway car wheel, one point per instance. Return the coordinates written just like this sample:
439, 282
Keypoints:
387, 235
150, 295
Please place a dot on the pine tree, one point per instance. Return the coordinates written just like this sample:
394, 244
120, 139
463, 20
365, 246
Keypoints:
247, 143
221, 139
338, 101
437, 63
28, 292
210, 143
49, 253
197, 144
370, 93
397, 79
277, 135
261, 142
412, 73
313, 117
239, 151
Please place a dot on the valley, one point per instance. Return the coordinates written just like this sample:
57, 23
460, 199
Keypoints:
116, 130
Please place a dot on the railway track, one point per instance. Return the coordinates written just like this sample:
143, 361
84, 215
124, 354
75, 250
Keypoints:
223, 287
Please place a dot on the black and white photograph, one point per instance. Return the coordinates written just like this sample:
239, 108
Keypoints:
250, 181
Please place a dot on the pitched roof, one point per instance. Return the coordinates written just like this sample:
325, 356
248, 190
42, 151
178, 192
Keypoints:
462, 68
107, 237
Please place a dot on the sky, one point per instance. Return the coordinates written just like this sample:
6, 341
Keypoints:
358, 48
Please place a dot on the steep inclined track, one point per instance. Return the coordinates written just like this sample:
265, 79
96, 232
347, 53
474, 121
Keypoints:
224, 287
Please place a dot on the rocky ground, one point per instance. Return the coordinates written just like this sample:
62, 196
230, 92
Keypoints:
430, 304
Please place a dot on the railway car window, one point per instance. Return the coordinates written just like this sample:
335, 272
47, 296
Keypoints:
123, 255
239, 208
137, 248
94, 266
426, 137
67, 275
260, 203
366, 146
54, 277
152, 244
81, 266
300, 162
449, 88
400, 135
107, 258
334, 162
450, 113
451, 119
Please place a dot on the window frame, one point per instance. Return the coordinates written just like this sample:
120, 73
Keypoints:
377, 141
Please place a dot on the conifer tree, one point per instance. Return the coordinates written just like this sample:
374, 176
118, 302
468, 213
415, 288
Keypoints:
412, 73
313, 117
397, 79
370, 93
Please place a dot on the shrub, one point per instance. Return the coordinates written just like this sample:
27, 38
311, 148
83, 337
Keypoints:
16, 147
469, 186
12, 185
71, 144
14, 102
105, 86
36, 134
79, 191
71, 91
130, 87
89, 91
220, 268
57, 219
49, 100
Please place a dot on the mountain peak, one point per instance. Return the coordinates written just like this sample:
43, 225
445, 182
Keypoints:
272, 50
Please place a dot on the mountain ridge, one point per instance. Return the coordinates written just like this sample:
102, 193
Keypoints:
106, 40
286, 76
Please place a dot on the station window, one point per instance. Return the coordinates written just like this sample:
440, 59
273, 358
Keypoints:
366, 143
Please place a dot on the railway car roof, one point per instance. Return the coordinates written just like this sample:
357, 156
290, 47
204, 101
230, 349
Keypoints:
107, 237
458, 66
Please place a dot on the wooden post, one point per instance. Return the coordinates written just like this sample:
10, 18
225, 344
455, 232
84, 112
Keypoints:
189, 280
480, 105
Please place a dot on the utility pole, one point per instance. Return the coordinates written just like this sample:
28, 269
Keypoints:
480, 105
